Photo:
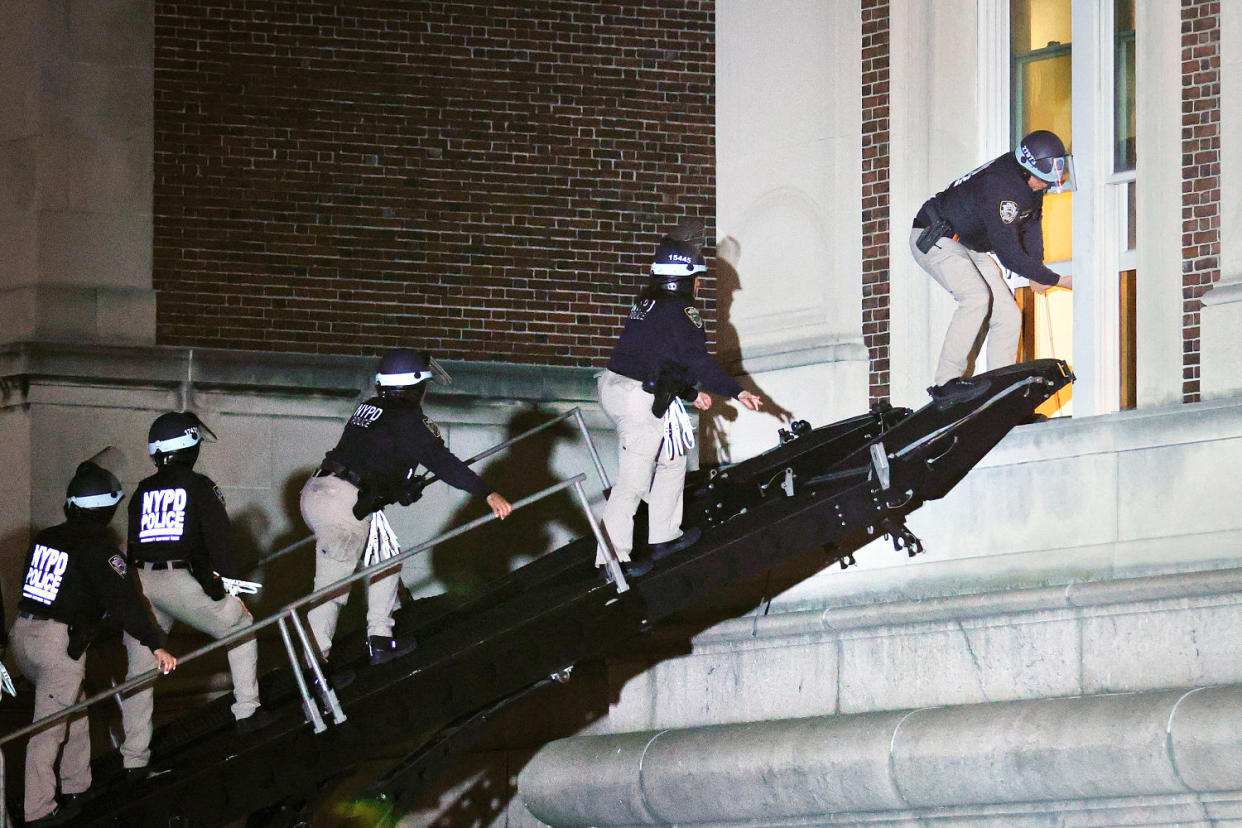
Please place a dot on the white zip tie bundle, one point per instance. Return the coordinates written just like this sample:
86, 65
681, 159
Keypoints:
235, 586
678, 430
382, 542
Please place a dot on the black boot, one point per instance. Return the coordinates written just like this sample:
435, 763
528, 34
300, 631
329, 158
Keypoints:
384, 649
686, 539
956, 391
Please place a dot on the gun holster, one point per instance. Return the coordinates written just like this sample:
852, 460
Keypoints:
668, 383
80, 637
937, 228
370, 499
208, 579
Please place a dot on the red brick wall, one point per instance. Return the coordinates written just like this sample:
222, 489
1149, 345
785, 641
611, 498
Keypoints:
485, 179
1200, 174
875, 194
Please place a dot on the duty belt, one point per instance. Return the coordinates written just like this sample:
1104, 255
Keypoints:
335, 469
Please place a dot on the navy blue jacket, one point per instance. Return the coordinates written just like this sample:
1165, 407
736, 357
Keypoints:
994, 210
178, 514
665, 326
387, 438
74, 573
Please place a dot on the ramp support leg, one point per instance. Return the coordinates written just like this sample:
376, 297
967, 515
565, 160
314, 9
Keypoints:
312, 658
610, 557
308, 704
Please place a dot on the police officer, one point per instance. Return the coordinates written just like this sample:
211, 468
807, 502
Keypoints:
74, 573
996, 208
373, 464
180, 543
661, 354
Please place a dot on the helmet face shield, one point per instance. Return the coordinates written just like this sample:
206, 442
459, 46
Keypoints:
1060, 175
402, 368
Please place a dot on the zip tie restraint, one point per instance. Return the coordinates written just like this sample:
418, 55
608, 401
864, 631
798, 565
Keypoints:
678, 430
382, 542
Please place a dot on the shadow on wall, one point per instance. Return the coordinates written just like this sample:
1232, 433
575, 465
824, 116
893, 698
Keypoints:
714, 422
468, 562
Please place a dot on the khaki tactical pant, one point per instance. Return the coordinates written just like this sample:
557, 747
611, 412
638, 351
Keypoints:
39, 648
340, 539
176, 595
644, 471
981, 294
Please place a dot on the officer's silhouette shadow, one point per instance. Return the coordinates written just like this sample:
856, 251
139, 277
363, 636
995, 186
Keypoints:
713, 423
467, 563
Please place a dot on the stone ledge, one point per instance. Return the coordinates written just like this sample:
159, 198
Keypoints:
271, 372
1073, 596
1170, 752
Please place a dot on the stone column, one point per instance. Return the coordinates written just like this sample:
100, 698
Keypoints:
76, 154
1221, 317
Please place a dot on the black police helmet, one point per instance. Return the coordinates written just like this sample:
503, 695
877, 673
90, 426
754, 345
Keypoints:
176, 436
1042, 154
677, 259
404, 372
94, 492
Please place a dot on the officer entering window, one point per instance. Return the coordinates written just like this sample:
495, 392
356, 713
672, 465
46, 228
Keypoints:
996, 208
180, 543
385, 440
74, 574
659, 359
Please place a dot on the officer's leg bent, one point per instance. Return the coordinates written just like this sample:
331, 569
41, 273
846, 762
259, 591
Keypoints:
327, 507
75, 759
950, 264
136, 708
639, 434
664, 504
381, 601
1005, 321
40, 653
187, 602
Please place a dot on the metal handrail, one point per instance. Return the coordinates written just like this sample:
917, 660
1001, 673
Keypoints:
575, 412
288, 612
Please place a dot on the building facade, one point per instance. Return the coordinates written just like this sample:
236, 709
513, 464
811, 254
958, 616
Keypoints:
234, 209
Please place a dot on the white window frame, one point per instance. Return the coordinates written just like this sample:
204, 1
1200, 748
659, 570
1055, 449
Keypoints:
1099, 223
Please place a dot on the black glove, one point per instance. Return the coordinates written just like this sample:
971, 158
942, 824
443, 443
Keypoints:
413, 490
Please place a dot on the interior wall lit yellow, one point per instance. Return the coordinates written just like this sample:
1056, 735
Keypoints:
1044, 102
1036, 23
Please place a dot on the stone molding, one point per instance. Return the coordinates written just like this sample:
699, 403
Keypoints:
996, 763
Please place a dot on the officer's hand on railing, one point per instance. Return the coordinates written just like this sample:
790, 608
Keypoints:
703, 401
500, 507
752, 401
166, 661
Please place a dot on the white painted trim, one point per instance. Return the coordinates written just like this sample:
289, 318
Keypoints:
1096, 246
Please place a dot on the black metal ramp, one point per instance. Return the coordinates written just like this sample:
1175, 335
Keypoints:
834, 489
